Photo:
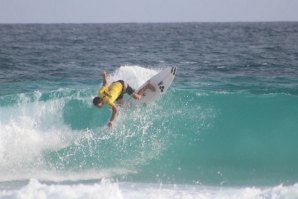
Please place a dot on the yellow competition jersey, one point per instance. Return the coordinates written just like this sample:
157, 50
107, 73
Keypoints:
110, 94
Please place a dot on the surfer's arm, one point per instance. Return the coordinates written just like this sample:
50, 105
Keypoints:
105, 79
114, 113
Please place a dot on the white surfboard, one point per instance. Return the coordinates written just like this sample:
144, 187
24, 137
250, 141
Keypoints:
161, 82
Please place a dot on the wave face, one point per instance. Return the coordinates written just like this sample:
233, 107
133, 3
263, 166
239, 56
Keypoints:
187, 136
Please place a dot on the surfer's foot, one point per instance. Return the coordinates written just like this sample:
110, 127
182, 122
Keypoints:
150, 86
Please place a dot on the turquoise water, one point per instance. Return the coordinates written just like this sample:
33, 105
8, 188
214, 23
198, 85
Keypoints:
229, 120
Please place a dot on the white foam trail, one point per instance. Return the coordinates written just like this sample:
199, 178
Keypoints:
27, 129
111, 190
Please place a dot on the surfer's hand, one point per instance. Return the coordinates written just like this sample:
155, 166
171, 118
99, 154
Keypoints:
105, 78
104, 73
110, 124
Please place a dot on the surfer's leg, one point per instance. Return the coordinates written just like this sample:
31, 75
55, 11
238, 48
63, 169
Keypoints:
140, 93
147, 86
150, 86
129, 90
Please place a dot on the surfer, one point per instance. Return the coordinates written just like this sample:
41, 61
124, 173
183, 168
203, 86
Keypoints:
108, 94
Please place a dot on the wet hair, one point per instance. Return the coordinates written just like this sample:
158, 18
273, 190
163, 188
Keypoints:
96, 100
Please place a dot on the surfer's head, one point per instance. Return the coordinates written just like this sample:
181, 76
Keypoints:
97, 101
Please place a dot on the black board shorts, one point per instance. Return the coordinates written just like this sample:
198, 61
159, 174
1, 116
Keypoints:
126, 89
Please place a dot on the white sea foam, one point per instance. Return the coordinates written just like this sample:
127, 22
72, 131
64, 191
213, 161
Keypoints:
27, 129
115, 190
133, 75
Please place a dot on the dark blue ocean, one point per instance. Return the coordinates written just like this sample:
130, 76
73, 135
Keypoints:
226, 128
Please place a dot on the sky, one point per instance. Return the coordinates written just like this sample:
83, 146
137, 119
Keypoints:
127, 11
